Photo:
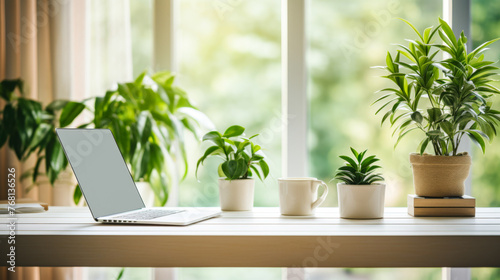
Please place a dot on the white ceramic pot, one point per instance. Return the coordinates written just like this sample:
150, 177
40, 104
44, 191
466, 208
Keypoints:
361, 201
63, 189
236, 195
146, 192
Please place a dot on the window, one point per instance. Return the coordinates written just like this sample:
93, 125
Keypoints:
485, 26
347, 38
229, 55
229, 62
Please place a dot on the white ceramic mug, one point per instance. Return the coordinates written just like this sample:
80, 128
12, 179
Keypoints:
299, 196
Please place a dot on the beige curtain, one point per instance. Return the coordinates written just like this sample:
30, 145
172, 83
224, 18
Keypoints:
43, 42
62, 49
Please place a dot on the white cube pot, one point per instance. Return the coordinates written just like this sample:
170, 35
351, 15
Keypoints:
361, 201
236, 195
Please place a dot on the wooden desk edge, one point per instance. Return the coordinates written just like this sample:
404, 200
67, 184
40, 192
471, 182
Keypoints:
255, 251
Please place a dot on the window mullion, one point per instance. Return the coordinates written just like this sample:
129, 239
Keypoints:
294, 97
164, 53
294, 88
458, 15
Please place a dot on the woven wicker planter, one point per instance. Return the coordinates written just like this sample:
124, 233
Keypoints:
439, 176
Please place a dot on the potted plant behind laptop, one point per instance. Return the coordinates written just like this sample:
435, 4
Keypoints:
28, 129
149, 118
242, 159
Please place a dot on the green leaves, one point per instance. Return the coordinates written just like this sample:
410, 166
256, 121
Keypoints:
242, 158
350, 162
77, 194
264, 167
211, 150
358, 170
457, 88
423, 145
417, 117
450, 36
7, 88
144, 127
233, 131
447, 127
215, 137
56, 105
55, 160
477, 138
3, 135
434, 114
70, 112
28, 128
234, 169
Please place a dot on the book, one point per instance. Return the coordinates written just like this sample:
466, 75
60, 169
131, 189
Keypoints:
23, 205
442, 211
21, 208
450, 202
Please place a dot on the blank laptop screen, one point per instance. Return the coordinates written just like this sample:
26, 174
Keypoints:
100, 170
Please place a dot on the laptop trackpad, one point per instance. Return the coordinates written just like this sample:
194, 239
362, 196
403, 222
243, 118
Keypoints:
188, 216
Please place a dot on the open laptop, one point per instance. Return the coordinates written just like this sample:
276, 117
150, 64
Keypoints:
107, 184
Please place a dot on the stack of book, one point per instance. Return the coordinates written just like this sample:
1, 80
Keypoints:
463, 206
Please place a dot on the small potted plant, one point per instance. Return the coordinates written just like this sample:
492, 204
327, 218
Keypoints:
445, 100
359, 194
241, 160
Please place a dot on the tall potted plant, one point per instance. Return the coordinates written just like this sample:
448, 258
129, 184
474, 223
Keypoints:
149, 118
28, 129
241, 160
444, 99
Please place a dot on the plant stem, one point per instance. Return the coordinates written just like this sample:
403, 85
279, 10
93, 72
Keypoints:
248, 168
437, 150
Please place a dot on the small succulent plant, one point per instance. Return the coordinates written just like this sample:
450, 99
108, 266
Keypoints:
358, 170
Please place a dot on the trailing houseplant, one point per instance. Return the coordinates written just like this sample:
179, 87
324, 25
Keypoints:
241, 160
28, 128
443, 98
360, 194
149, 118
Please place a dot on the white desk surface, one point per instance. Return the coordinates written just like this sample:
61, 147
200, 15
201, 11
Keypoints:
68, 236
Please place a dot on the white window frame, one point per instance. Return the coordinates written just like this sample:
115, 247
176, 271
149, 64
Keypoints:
294, 88
164, 48
165, 22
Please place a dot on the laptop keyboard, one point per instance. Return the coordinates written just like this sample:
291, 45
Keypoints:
147, 214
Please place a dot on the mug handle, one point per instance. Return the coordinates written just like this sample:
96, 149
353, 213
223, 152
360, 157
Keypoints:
322, 197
